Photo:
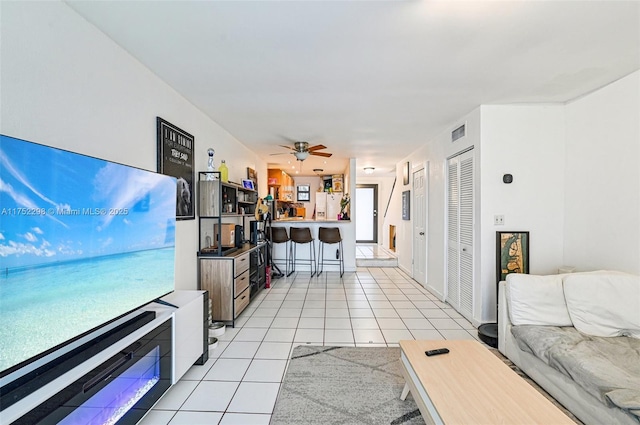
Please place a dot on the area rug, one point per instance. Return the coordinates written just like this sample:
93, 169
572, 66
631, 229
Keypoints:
344, 385
353, 386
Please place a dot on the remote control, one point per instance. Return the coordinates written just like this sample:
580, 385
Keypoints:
436, 352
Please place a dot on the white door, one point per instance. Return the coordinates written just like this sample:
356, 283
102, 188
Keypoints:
419, 216
366, 217
460, 273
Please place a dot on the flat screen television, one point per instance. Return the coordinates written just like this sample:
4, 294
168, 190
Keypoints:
83, 242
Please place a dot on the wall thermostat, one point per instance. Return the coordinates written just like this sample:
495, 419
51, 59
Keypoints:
507, 178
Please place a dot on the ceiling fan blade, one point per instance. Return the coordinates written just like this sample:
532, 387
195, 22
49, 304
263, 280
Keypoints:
325, 154
281, 153
288, 147
316, 148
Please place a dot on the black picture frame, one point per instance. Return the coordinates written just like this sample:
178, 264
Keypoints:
405, 173
303, 193
512, 253
175, 158
406, 205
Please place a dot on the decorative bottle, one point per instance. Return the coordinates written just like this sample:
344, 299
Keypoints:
210, 166
224, 172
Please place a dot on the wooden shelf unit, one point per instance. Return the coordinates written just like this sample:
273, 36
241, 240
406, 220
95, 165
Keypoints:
219, 201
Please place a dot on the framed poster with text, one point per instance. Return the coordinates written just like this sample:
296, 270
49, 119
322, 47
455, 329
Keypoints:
175, 158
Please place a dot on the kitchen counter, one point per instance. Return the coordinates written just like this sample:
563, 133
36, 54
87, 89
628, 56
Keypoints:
231, 252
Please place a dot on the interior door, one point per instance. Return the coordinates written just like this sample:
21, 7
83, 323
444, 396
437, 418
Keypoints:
366, 217
460, 208
419, 216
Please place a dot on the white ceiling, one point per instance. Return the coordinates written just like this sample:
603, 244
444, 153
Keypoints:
372, 80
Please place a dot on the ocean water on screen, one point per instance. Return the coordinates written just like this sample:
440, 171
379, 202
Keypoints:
44, 306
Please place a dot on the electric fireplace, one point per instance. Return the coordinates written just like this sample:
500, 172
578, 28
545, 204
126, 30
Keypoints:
121, 390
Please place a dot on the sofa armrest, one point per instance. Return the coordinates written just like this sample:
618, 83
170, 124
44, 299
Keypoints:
504, 323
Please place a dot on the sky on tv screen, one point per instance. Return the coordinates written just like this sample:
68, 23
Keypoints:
60, 206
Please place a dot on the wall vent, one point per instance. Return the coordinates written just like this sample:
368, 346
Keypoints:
458, 133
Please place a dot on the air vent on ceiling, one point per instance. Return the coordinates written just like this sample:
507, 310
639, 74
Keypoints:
458, 133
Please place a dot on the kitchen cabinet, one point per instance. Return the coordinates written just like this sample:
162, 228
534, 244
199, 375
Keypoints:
283, 183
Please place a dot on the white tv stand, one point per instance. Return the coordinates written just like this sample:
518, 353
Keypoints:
189, 330
188, 346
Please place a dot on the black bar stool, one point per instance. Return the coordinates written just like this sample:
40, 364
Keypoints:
280, 235
302, 235
330, 235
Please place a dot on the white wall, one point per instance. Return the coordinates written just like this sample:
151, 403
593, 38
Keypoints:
576, 187
66, 85
435, 152
526, 141
315, 183
602, 213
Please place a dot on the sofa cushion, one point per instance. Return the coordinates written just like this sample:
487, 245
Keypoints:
606, 368
540, 340
604, 304
536, 300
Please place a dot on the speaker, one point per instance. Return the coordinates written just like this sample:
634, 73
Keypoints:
253, 229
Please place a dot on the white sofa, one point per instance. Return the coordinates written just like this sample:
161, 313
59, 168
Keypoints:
578, 336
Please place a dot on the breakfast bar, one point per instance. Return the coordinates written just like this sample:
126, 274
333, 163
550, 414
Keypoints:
347, 232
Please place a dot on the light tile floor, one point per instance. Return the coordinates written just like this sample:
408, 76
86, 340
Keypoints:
240, 382
369, 251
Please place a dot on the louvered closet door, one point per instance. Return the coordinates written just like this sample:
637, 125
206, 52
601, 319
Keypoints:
460, 233
453, 259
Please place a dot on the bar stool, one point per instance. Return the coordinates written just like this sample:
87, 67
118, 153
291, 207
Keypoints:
330, 235
280, 235
302, 235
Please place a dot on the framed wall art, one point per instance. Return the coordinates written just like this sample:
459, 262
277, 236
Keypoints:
175, 158
512, 253
253, 176
406, 206
248, 184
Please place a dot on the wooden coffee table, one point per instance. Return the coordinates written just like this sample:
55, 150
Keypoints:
470, 385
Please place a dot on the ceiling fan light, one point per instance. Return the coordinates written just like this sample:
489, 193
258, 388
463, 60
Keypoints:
369, 170
301, 156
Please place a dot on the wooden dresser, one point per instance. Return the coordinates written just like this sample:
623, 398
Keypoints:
232, 280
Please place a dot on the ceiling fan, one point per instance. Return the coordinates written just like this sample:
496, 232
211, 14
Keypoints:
302, 150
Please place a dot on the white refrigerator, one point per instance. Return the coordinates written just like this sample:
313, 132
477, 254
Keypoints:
327, 205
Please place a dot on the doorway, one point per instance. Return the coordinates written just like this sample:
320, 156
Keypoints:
366, 217
419, 221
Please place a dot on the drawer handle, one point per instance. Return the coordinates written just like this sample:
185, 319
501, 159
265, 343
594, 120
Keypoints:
243, 297
244, 259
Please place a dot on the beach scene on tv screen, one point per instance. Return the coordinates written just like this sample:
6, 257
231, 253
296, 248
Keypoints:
82, 241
